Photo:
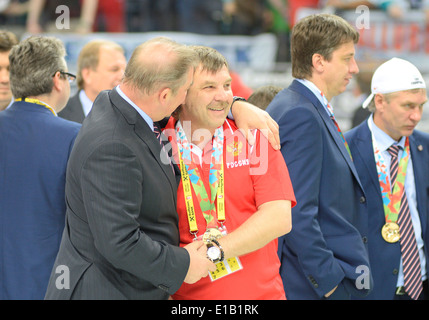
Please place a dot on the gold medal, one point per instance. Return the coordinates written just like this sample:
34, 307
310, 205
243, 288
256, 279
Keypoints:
390, 232
211, 234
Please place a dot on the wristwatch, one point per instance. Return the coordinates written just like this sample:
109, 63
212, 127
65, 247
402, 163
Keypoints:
236, 98
230, 116
214, 251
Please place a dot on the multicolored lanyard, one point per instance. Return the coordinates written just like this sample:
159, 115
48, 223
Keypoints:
391, 195
191, 176
29, 100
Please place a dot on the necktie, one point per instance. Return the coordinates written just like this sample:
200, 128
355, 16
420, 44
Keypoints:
331, 111
410, 255
164, 155
157, 132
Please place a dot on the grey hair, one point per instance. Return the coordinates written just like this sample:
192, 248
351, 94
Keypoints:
389, 96
33, 63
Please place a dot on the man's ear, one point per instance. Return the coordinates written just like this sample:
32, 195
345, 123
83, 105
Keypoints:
85, 72
57, 81
164, 95
318, 62
378, 101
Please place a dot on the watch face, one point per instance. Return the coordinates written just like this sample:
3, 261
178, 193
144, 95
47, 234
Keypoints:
213, 253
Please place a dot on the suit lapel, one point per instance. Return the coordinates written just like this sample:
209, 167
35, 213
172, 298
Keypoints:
332, 129
77, 108
419, 161
144, 133
74, 109
365, 152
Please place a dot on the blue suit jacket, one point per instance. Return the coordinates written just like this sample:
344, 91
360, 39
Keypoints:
34, 149
324, 248
385, 257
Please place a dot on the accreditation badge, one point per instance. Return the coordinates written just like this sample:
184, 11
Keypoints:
390, 232
225, 267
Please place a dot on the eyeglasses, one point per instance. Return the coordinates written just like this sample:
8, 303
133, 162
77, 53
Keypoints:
70, 76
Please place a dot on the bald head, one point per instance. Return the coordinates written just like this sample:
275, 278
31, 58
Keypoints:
159, 62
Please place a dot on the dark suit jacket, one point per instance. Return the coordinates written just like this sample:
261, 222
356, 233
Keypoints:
121, 237
325, 247
73, 110
34, 149
385, 257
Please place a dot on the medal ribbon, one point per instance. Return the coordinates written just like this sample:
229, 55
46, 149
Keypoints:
191, 177
29, 100
391, 195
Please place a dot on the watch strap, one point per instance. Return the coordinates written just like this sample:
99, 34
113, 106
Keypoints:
222, 253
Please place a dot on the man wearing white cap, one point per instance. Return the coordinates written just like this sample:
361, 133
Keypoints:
392, 161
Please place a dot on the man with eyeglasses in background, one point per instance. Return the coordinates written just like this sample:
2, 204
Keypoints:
34, 149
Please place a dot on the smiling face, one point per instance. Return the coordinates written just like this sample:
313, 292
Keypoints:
208, 100
398, 113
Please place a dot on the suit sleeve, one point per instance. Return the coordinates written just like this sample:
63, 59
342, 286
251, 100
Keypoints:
302, 148
112, 192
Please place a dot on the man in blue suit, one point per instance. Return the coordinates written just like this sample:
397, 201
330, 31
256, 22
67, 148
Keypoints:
324, 256
34, 149
396, 103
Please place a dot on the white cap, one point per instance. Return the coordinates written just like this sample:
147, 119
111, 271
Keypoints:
395, 75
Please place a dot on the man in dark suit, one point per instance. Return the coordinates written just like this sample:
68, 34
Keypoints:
121, 237
35, 146
324, 255
101, 65
396, 103
74, 108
